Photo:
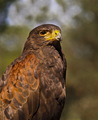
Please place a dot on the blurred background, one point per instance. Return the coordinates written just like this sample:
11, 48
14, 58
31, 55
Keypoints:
78, 20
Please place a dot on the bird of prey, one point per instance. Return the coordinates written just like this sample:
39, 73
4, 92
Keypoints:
33, 86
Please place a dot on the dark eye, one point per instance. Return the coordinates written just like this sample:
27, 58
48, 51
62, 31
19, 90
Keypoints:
43, 32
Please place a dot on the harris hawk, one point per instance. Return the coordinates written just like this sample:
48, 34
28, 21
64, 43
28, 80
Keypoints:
33, 86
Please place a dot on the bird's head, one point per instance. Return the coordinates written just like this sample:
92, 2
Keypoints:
44, 35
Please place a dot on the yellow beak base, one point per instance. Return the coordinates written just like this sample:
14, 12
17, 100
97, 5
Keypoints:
55, 35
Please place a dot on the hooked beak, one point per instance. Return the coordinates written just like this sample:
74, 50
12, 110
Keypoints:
55, 35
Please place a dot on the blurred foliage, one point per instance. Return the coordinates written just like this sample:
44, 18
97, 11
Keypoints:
81, 50
4, 5
62, 4
11, 42
80, 46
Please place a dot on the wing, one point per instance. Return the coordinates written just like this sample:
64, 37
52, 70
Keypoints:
65, 66
19, 89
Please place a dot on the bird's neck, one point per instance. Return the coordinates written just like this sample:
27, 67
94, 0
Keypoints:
58, 48
45, 48
48, 51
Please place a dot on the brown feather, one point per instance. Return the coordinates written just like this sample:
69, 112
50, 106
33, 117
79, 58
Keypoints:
19, 89
33, 86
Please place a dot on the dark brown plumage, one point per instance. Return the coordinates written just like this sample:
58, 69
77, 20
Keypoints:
33, 86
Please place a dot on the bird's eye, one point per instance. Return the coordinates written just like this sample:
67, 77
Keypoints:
42, 33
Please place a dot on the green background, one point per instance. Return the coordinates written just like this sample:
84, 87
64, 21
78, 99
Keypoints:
80, 46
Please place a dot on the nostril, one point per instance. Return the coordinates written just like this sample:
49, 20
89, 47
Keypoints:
56, 33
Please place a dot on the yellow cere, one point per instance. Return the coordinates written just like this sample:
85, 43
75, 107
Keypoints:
53, 35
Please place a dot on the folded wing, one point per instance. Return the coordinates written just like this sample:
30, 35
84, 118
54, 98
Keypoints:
19, 89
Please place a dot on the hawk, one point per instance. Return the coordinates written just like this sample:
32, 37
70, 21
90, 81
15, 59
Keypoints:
33, 86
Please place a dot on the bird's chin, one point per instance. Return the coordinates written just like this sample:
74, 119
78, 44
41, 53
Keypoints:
59, 39
54, 42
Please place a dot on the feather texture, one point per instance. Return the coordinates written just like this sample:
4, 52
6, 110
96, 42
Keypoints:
33, 87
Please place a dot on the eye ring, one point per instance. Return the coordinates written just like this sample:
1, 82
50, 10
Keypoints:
43, 32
